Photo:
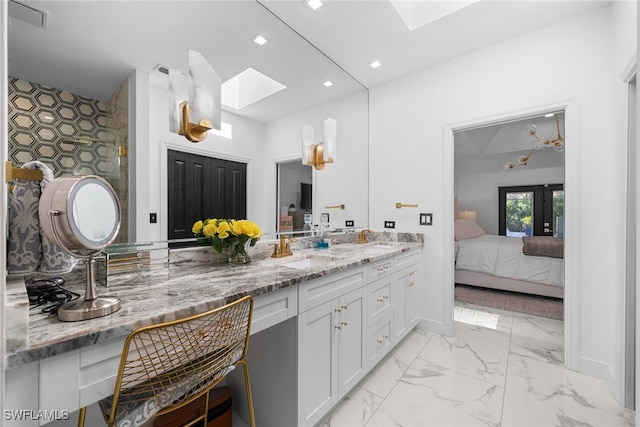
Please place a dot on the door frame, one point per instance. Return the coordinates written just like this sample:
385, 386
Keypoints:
165, 146
572, 224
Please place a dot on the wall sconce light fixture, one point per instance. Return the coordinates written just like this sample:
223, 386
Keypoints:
317, 155
201, 90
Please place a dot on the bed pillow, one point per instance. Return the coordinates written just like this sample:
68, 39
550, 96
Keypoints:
467, 229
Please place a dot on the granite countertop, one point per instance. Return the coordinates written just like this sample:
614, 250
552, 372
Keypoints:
193, 283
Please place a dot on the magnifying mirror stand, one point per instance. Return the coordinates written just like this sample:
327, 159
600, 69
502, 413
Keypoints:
92, 306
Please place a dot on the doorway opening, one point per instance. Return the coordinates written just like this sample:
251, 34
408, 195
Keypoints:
513, 191
294, 196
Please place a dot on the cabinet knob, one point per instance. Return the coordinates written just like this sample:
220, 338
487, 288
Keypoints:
343, 323
344, 307
337, 327
337, 310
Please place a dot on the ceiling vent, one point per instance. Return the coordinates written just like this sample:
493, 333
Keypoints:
27, 14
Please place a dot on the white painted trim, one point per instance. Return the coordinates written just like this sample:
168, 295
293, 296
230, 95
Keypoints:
571, 185
162, 161
448, 266
3, 196
433, 327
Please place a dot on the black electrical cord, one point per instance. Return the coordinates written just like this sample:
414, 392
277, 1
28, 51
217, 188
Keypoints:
49, 293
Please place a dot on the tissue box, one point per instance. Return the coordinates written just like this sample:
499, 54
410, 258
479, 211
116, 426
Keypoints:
286, 223
130, 261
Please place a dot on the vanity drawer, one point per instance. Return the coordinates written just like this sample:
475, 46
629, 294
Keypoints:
319, 291
379, 299
407, 259
380, 269
378, 341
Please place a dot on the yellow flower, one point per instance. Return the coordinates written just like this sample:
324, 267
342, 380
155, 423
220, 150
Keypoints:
197, 227
209, 230
237, 227
223, 230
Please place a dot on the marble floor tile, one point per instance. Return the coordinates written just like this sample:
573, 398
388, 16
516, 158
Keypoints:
431, 395
386, 374
510, 376
538, 337
544, 394
476, 351
354, 410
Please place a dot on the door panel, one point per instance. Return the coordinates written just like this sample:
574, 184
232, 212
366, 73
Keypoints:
203, 187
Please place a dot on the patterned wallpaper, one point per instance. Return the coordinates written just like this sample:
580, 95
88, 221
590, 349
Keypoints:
43, 121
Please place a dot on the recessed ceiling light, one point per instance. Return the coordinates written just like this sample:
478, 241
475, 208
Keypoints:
259, 40
328, 83
314, 4
375, 64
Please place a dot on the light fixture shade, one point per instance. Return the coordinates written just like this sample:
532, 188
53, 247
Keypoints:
307, 145
330, 140
206, 100
178, 93
470, 215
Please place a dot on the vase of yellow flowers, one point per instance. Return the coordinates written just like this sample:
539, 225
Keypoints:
229, 235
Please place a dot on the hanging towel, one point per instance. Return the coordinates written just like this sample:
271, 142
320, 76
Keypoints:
29, 250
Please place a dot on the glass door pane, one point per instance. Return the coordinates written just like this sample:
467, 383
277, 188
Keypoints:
558, 213
519, 213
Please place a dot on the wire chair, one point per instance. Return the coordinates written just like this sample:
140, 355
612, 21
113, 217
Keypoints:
166, 366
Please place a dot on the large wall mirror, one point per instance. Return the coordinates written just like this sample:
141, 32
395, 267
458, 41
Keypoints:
88, 96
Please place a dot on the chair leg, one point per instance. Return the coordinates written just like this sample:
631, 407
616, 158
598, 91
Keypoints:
81, 416
247, 385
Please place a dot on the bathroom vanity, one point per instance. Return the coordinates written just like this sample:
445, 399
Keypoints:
322, 319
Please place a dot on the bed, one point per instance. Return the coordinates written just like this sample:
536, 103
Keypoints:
500, 262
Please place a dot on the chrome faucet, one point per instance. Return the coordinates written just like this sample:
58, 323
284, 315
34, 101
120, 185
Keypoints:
282, 249
362, 237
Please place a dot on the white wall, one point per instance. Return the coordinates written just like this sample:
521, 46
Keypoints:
343, 182
568, 63
153, 139
625, 60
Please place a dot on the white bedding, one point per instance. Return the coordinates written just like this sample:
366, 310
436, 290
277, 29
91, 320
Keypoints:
502, 256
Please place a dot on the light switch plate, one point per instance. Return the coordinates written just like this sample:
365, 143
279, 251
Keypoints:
426, 219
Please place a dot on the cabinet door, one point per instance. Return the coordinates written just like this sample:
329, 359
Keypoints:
412, 297
399, 305
405, 310
317, 362
350, 346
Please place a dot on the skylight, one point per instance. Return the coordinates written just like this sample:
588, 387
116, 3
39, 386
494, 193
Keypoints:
416, 13
248, 87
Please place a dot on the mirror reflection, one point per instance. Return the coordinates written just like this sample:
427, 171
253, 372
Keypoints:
94, 212
88, 104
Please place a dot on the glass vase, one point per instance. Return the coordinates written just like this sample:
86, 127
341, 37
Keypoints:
238, 255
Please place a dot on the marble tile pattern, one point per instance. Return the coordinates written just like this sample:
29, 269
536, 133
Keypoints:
197, 280
510, 375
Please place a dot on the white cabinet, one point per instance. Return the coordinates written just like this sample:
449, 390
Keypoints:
405, 294
330, 346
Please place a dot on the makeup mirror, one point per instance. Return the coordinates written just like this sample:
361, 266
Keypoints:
81, 214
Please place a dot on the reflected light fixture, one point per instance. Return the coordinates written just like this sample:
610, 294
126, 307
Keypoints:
195, 101
314, 4
260, 40
328, 83
538, 144
317, 155
375, 64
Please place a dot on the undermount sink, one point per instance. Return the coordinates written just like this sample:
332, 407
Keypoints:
312, 260
382, 246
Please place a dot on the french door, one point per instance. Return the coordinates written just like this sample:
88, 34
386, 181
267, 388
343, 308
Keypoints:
532, 210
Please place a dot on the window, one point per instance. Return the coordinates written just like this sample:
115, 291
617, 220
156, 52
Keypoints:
532, 210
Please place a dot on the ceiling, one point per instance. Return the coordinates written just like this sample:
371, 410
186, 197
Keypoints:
90, 47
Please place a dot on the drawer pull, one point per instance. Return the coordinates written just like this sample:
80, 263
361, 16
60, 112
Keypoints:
383, 339
344, 307
383, 298
383, 268
337, 310
343, 323
337, 327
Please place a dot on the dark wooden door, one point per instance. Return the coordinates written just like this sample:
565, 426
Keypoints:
203, 187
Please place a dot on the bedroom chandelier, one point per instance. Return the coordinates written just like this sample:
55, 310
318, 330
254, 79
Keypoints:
538, 144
